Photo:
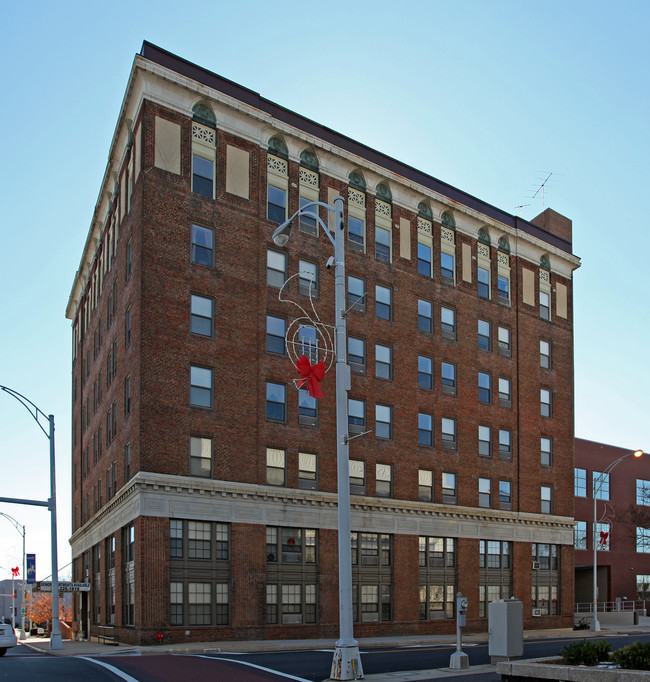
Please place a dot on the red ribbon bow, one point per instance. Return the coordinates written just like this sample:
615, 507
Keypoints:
310, 375
603, 537
15, 571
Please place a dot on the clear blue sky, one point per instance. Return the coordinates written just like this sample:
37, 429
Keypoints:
487, 96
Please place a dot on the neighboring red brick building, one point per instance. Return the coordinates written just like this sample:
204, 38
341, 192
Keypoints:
204, 483
623, 515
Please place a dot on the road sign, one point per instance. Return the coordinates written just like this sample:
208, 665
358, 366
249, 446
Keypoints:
64, 586
31, 568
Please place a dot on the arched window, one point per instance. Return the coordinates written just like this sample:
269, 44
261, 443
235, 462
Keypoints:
484, 236
203, 114
504, 245
308, 160
424, 211
545, 262
448, 221
356, 181
384, 193
278, 148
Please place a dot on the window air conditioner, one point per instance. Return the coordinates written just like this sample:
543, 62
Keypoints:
537, 612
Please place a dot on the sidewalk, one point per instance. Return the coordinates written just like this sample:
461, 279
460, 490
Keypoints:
93, 648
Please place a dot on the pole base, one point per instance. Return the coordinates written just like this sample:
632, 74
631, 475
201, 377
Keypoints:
594, 626
56, 643
458, 660
346, 664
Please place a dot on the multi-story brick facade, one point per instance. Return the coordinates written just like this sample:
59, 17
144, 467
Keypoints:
204, 483
623, 523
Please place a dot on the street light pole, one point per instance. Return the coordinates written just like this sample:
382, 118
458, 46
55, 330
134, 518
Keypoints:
595, 624
346, 664
22, 600
38, 414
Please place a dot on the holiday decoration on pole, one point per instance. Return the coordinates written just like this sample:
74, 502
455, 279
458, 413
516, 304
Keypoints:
15, 572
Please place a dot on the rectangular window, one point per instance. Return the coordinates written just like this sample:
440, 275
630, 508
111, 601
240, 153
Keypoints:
276, 268
643, 586
495, 554
447, 267
505, 495
544, 354
307, 278
200, 386
484, 441
505, 444
425, 485
643, 540
222, 605
383, 362
483, 335
383, 421
129, 258
505, 397
127, 327
544, 305
356, 294
127, 396
448, 488
448, 378
484, 492
357, 470
448, 431
199, 603
504, 342
545, 451
308, 222
546, 506
448, 323
580, 482
127, 462
356, 415
545, 402
503, 289
198, 540
275, 466
202, 176
307, 408
308, 343
383, 302
484, 390
356, 233
382, 244
483, 278
201, 315
384, 480
176, 603
202, 251
276, 402
424, 259
642, 492
276, 204
425, 372
580, 535
425, 429
276, 328
603, 537
600, 485
425, 316
200, 456
307, 471
356, 354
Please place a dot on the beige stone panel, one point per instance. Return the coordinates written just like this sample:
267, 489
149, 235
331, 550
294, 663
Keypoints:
237, 171
138, 153
528, 279
168, 145
466, 253
561, 301
405, 238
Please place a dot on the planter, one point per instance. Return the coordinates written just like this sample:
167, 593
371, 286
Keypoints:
552, 669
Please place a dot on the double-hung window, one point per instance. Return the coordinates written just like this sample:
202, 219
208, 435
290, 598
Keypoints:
448, 431
484, 389
384, 480
383, 361
202, 249
484, 441
483, 335
276, 204
201, 315
356, 233
425, 372
504, 342
449, 488
200, 386
276, 466
382, 244
483, 276
356, 354
356, 294
425, 316
202, 176
447, 267
383, 302
579, 482
448, 378
545, 402
276, 268
424, 259
356, 415
503, 289
383, 421
544, 354
276, 402
505, 395
425, 429
276, 328
505, 444
546, 496
200, 456
448, 323
307, 278
484, 492
545, 451
307, 408
544, 305
425, 485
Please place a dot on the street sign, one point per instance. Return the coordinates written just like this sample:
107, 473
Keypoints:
31, 568
64, 586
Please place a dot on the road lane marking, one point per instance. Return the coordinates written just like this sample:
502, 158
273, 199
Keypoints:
259, 667
112, 668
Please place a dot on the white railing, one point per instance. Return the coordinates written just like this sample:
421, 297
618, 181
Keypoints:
620, 605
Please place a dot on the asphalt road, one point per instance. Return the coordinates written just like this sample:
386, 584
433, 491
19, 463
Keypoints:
21, 663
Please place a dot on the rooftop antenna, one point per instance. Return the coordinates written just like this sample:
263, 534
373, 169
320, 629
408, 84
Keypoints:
541, 189
520, 207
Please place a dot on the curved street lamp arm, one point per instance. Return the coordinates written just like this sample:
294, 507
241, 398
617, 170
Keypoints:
30, 407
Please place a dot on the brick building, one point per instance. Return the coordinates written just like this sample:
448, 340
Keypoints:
623, 523
204, 482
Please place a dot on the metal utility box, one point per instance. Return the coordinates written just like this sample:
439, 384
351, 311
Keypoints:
506, 629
